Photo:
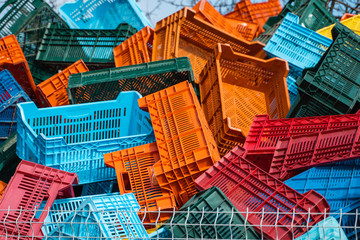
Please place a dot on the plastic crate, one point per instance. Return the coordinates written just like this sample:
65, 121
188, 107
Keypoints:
10, 91
74, 138
350, 221
200, 218
265, 133
339, 184
64, 46
132, 169
161, 233
301, 47
255, 12
328, 228
52, 92
296, 154
31, 184
206, 12
2, 188
136, 49
185, 143
247, 30
334, 80
346, 16
103, 14
98, 188
8, 158
275, 20
39, 72
259, 195
352, 23
145, 78
13, 59
182, 34
235, 87
105, 217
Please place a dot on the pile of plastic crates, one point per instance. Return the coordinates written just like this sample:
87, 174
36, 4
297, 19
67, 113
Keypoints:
205, 126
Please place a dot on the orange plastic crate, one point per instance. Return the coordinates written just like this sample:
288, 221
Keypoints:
52, 92
185, 143
257, 13
247, 30
184, 35
346, 16
12, 58
133, 168
2, 188
136, 49
235, 87
206, 12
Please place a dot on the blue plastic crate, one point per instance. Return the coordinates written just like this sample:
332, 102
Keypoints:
292, 88
328, 229
10, 91
348, 221
300, 46
103, 217
161, 233
74, 138
103, 14
338, 183
98, 188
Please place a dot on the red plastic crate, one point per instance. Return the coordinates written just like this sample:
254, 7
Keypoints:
251, 189
185, 143
133, 171
265, 133
296, 154
257, 13
12, 58
31, 185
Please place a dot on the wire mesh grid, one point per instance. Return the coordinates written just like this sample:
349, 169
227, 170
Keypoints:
156, 230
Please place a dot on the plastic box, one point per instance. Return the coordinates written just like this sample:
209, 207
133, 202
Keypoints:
183, 34
74, 138
2, 188
185, 143
136, 49
255, 12
338, 183
235, 87
334, 80
32, 184
247, 30
52, 92
94, 47
39, 72
349, 220
301, 47
253, 191
98, 188
202, 221
206, 12
103, 14
8, 158
328, 228
265, 133
13, 59
103, 217
296, 154
352, 23
145, 78
133, 169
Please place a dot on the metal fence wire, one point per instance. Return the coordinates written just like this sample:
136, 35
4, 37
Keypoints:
120, 224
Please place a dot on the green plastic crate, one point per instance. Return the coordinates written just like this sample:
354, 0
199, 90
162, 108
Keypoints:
335, 80
146, 78
8, 158
200, 216
61, 46
26, 19
39, 72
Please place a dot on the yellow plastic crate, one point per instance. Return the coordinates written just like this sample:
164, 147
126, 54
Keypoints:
353, 23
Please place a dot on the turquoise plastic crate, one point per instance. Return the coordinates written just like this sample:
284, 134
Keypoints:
328, 229
103, 14
74, 138
348, 221
339, 183
300, 46
98, 188
103, 217
292, 88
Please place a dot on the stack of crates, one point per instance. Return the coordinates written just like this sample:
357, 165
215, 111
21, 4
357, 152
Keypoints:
112, 129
